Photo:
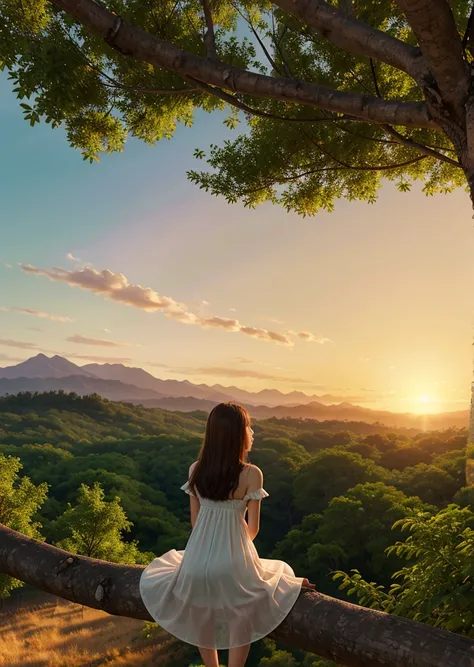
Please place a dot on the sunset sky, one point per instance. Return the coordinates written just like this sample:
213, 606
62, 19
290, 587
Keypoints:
372, 304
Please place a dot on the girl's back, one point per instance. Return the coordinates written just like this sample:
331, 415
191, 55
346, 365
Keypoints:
218, 593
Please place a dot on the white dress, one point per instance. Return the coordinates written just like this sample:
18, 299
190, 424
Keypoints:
218, 593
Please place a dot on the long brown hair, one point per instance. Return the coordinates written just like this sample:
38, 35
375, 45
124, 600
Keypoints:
223, 452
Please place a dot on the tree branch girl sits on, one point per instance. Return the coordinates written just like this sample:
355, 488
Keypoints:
218, 593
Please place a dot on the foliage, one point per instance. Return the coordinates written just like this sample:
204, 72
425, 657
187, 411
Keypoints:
300, 157
353, 531
95, 528
331, 507
20, 500
436, 586
330, 473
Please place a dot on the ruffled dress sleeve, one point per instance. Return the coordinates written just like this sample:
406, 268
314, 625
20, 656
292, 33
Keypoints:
187, 490
259, 494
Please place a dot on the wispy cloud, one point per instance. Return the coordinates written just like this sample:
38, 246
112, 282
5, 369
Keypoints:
218, 371
116, 287
244, 360
72, 258
228, 372
85, 340
7, 357
22, 345
6, 265
99, 359
39, 313
311, 338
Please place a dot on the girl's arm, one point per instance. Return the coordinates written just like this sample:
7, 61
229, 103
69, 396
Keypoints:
253, 506
195, 506
194, 503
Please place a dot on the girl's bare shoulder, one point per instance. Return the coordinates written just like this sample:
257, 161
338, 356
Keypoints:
254, 474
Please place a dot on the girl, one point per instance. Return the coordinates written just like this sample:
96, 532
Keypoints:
218, 593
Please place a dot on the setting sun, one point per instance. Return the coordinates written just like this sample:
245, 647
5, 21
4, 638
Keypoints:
425, 399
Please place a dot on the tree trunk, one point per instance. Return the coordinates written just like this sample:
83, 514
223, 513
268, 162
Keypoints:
349, 634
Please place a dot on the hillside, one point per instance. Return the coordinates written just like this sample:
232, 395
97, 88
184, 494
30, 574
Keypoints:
335, 489
117, 382
56, 633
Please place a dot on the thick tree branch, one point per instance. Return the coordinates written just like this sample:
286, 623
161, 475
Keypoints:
351, 635
355, 36
132, 41
405, 141
238, 104
468, 38
433, 23
209, 38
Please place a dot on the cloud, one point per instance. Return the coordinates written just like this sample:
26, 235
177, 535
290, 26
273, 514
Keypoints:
40, 313
6, 265
22, 345
311, 338
264, 334
85, 340
112, 285
232, 310
99, 359
220, 323
72, 258
116, 287
6, 357
244, 360
244, 373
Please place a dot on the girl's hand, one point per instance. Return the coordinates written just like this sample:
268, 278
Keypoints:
307, 584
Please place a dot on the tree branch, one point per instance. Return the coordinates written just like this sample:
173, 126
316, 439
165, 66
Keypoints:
429, 152
209, 38
405, 141
433, 23
238, 104
132, 41
468, 38
355, 36
334, 629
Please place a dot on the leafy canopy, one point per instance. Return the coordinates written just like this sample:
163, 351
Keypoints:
20, 500
301, 157
95, 527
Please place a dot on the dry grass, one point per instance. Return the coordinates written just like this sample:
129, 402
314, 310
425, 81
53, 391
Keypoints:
62, 634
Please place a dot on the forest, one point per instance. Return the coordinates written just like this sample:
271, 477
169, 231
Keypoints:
374, 515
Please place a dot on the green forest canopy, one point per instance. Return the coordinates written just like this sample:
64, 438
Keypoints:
336, 492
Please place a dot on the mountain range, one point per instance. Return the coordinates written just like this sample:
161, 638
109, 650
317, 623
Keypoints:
134, 385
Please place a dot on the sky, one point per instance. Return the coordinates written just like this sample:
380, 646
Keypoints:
126, 261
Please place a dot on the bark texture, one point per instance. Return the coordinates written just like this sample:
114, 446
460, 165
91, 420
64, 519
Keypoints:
351, 635
135, 42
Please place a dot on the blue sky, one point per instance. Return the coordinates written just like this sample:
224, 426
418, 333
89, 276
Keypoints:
385, 288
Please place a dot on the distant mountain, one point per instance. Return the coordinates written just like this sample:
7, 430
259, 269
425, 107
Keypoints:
42, 366
134, 385
140, 378
80, 384
58, 367
321, 412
